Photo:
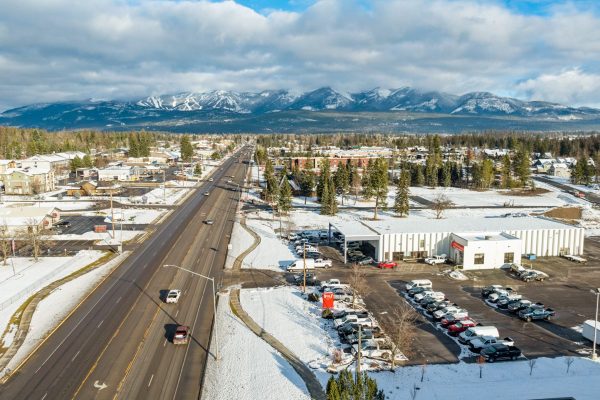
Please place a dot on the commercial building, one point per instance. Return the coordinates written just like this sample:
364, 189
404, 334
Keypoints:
474, 242
18, 219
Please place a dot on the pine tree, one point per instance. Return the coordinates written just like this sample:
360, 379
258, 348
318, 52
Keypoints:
401, 203
333, 206
487, 173
324, 175
420, 177
342, 180
446, 174
506, 172
197, 170
285, 197
325, 200
333, 393
187, 150
521, 167
75, 163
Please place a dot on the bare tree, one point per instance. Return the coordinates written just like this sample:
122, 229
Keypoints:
440, 204
531, 363
36, 186
569, 360
400, 327
32, 234
358, 283
5, 243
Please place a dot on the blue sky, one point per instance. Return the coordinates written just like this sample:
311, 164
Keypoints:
129, 49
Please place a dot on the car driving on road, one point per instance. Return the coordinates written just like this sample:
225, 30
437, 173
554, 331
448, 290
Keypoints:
182, 334
173, 296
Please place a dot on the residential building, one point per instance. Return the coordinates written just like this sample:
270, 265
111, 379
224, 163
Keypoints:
28, 181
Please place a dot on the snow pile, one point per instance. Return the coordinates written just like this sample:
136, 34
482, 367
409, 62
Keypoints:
158, 196
272, 252
129, 215
590, 220
249, 368
459, 276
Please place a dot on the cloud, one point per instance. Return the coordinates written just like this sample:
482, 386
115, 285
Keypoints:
58, 49
569, 87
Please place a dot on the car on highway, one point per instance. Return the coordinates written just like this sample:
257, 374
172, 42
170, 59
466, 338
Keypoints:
206, 193
173, 296
210, 179
499, 351
387, 265
209, 221
181, 335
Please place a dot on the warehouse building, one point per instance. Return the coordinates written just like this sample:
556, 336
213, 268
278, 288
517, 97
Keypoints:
474, 242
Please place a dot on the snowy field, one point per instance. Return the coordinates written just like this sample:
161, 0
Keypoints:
103, 237
66, 205
167, 195
31, 276
54, 308
249, 368
240, 241
129, 215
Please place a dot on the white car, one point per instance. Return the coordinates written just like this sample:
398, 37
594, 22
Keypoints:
374, 348
439, 314
173, 296
438, 296
441, 259
210, 179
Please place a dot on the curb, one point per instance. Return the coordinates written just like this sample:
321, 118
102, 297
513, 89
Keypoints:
237, 264
312, 384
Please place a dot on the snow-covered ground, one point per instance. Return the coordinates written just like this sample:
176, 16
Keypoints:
272, 252
240, 241
103, 237
31, 276
502, 380
66, 205
249, 368
129, 215
54, 308
165, 195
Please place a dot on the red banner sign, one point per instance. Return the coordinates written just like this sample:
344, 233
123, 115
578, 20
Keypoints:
457, 246
328, 300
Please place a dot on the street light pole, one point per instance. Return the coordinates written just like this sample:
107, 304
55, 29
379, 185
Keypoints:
597, 293
212, 280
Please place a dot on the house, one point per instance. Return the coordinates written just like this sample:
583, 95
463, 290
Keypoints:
559, 170
17, 219
85, 189
28, 180
7, 164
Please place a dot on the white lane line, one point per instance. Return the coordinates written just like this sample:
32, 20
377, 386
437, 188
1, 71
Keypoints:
176, 312
165, 343
44, 396
75, 356
150, 381
119, 299
99, 324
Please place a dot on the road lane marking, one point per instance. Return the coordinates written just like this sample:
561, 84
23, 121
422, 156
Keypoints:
99, 324
119, 299
44, 396
150, 381
176, 312
75, 356
165, 343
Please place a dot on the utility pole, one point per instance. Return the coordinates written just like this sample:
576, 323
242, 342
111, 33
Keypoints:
164, 187
112, 215
304, 257
597, 293
359, 351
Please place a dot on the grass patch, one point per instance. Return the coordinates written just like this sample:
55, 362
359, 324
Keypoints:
527, 192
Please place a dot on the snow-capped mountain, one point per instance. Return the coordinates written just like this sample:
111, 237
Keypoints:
214, 107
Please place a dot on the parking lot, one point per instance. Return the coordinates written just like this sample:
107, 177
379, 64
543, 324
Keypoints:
79, 225
566, 291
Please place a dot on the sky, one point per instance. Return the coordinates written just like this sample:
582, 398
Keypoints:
59, 50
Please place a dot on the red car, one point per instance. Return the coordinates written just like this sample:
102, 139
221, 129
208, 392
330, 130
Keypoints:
460, 326
446, 322
387, 265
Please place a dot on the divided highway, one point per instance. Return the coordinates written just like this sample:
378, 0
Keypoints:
117, 343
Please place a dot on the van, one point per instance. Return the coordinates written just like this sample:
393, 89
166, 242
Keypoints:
475, 331
424, 283
298, 265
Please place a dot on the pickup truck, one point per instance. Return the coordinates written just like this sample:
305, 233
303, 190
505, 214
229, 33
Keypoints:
478, 343
374, 348
536, 313
433, 260
332, 283
500, 351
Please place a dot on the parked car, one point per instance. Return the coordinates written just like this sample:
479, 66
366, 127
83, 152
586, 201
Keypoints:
425, 283
374, 348
311, 279
500, 351
454, 318
416, 290
480, 342
63, 223
432, 307
503, 301
534, 275
182, 334
519, 305
494, 296
536, 313
387, 265
431, 294
439, 314
486, 291
338, 314
433, 260
207, 193
352, 338
365, 261
173, 296
471, 333
460, 326
350, 318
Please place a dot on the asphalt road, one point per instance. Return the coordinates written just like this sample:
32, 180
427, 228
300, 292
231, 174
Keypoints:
117, 342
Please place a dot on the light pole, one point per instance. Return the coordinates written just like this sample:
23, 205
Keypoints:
597, 293
212, 280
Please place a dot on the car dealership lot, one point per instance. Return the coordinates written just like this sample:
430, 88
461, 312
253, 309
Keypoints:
566, 291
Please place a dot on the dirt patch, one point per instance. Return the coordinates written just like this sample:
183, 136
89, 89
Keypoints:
567, 213
526, 192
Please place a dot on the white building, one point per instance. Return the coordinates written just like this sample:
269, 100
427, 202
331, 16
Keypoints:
463, 238
17, 219
117, 173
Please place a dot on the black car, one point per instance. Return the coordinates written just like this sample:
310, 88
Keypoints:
498, 351
503, 302
311, 280
438, 305
63, 223
416, 290
424, 302
342, 313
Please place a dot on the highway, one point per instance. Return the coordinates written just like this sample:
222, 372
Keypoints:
117, 342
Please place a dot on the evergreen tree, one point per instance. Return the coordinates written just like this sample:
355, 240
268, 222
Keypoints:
506, 172
198, 170
324, 176
431, 171
419, 176
87, 162
521, 167
333, 206
446, 174
134, 150
307, 183
285, 197
325, 200
487, 173
401, 203
342, 181
333, 393
348, 387
186, 148
75, 163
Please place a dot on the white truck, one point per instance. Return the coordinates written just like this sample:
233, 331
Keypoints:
479, 342
433, 260
298, 265
332, 283
588, 330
